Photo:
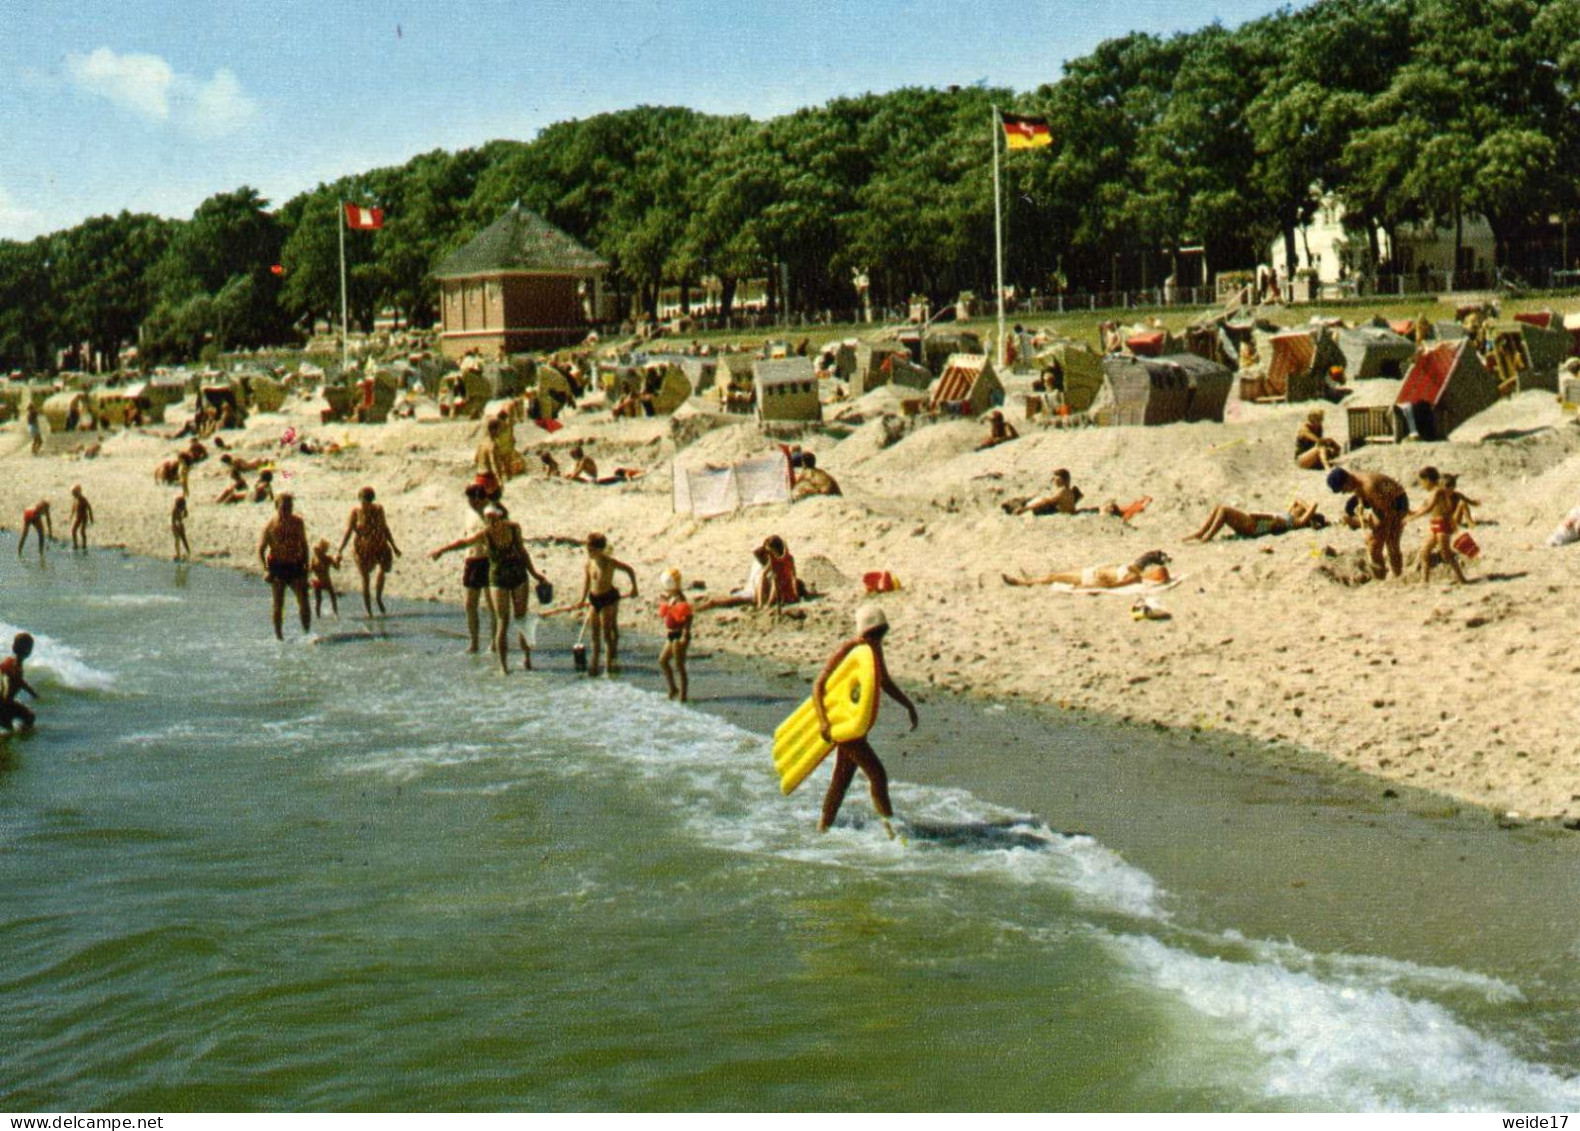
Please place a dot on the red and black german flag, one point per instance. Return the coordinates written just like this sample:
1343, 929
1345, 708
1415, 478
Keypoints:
1025, 133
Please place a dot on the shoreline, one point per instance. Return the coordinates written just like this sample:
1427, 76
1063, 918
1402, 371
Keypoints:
1239, 838
1263, 645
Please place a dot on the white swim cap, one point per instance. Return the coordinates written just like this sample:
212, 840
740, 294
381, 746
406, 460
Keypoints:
869, 617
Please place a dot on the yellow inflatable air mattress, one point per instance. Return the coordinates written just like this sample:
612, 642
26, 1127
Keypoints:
850, 696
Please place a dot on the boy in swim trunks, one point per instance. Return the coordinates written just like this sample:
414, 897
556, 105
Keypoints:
677, 614
282, 549
34, 432
1439, 512
81, 518
36, 518
322, 582
603, 600
871, 627
12, 684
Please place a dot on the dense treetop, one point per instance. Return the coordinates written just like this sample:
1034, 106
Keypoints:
1403, 110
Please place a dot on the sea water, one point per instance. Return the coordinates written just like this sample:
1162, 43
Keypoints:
359, 870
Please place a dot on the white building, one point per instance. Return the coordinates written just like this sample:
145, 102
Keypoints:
1322, 244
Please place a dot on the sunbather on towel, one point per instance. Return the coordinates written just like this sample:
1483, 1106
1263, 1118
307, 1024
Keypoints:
1254, 524
1151, 566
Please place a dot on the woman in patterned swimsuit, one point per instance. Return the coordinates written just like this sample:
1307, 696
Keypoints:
374, 547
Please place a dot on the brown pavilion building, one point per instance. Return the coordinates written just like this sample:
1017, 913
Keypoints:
521, 285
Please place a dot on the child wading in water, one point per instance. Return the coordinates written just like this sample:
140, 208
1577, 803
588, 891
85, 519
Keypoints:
12, 684
1439, 509
603, 601
676, 611
81, 518
178, 528
35, 519
322, 582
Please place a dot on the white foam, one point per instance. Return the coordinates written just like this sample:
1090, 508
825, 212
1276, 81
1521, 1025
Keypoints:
1351, 1043
127, 600
722, 778
1372, 971
57, 662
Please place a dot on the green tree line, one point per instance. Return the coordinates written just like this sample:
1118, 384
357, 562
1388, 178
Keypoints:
1404, 111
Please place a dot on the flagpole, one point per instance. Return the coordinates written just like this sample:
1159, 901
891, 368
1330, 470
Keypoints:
345, 337
998, 235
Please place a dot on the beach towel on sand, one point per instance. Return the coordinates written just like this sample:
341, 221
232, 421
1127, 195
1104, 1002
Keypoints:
1131, 590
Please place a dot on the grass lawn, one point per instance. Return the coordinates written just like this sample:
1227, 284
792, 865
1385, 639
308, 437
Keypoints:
1081, 326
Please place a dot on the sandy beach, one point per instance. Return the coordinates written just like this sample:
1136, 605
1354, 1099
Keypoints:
1451, 689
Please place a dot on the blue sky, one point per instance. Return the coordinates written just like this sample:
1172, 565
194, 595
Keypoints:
154, 105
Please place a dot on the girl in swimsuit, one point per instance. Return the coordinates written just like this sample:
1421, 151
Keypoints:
374, 548
677, 614
1256, 524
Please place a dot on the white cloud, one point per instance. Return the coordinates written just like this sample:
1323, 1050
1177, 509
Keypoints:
140, 83
149, 87
17, 222
219, 107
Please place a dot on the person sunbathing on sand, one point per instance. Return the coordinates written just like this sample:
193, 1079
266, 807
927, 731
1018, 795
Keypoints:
813, 480
237, 491
1000, 431
1062, 500
1313, 450
584, 467
1255, 524
1151, 566
242, 463
754, 592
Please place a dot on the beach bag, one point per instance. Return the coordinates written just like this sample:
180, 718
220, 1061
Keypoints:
545, 590
879, 581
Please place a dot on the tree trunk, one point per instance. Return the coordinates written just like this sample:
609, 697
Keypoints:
1291, 254
1459, 236
726, 296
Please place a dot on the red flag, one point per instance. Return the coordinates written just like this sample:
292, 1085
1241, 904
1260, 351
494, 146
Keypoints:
363, 219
